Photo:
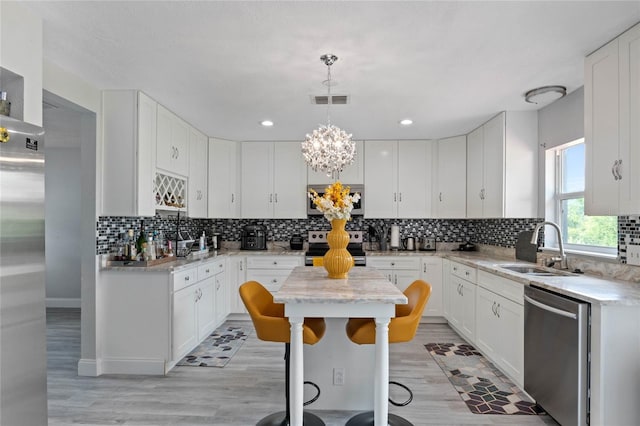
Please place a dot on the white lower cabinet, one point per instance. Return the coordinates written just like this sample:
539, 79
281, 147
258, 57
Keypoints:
271, 271
500, 323
431, 272
236, 276
462, 298
488, 311
400, 270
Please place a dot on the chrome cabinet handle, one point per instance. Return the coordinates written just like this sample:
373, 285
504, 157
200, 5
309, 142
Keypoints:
498, 310
466, 273
275, 262
394, 197
271, 198
424, 268
480, 194
275, 280
613, 170
440, 196
400, 196
186, 278
207, 271
276, 197
493, 308
233, 198
618, 169
241, 265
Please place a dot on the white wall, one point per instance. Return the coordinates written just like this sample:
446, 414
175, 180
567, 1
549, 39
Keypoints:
70, 87
64, 137
21, 53
558, 123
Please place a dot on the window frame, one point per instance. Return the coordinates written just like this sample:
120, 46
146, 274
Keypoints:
554, 206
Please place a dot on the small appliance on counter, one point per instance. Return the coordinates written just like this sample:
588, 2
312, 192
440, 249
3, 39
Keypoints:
254, 237
296, 242
216, 241
409, 243
427, 244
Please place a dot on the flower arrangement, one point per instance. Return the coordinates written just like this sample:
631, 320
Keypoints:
336, 202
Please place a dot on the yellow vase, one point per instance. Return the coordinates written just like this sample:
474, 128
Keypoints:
338, 261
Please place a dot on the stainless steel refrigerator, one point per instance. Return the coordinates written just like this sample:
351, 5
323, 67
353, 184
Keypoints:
23, 352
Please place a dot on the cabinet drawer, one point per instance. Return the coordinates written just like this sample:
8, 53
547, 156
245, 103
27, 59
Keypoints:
463, 271
505, 287
209, 269
184, 278
273, 262
270, 278
404, 262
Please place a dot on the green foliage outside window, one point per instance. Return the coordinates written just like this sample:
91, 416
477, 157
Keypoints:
599, 231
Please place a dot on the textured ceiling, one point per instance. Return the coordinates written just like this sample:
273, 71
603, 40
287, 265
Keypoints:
225, 66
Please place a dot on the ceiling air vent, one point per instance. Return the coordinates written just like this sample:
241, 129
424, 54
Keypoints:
335, 99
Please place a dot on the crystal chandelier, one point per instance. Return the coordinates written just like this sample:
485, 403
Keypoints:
328, 148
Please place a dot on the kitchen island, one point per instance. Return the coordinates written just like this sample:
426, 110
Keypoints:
366, 293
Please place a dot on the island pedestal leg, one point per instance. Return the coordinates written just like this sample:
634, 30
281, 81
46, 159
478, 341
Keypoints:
381, 405
297, 371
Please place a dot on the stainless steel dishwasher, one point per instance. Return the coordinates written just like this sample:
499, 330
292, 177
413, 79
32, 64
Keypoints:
556, 354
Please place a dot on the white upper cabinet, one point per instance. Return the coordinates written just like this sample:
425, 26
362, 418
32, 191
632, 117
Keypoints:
398, 179
450, 165
223, 168
129, 134
612, 127
197, 185
172, 153
502, 167
351, 175
273, 180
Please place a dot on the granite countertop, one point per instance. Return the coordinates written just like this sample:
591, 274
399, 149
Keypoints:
596, 290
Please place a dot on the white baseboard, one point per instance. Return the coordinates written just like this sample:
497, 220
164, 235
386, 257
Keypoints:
156, 367
62, 302
88, 367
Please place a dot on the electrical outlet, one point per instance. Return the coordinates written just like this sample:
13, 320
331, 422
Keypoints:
633, 255
338, 376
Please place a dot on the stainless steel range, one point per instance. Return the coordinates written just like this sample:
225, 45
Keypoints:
318, 246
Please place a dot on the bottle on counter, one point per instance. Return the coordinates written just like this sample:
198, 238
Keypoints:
132, 251
151, 247
203, 242
141, 242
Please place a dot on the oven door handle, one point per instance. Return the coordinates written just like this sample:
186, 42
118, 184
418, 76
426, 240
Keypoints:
550, 308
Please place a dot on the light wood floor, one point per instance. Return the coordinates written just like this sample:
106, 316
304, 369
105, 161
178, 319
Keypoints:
248, 388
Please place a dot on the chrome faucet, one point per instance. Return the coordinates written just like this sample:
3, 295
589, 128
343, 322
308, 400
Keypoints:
563, 257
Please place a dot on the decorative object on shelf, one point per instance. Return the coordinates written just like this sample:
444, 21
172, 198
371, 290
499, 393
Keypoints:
328, 148
169, 192
545, 94
336, 204
4, 135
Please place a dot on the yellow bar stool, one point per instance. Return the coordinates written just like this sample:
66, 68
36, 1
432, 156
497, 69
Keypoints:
271, 325
402, 328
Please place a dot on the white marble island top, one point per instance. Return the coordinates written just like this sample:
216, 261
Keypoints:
363, 286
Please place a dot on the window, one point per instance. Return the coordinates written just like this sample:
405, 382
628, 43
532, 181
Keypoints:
595, 234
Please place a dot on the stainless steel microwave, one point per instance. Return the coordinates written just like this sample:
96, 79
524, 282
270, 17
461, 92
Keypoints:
358, 208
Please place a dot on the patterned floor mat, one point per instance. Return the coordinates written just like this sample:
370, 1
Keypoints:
217, 349
481, 386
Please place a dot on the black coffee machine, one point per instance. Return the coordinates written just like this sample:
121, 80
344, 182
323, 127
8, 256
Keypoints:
254, 237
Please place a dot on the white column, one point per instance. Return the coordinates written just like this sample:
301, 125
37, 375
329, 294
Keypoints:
297, 371
381, 406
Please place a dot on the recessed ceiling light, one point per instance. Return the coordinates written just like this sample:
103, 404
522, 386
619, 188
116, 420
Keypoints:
266, 123
406, 122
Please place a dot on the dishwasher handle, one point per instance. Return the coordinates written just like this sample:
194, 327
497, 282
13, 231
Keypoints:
550, 308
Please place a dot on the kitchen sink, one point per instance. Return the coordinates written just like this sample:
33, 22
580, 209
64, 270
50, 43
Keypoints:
535, 270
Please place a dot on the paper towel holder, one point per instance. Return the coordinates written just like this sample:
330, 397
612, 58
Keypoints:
394, 238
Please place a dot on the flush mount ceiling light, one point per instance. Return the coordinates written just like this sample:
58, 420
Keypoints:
328, 148
545, 94
406, 122
266, 123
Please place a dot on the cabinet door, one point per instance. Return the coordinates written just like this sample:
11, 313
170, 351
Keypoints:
493, 167
414, 179
289, 178
488, 332
146, 153
510, 346
380, 179
257, 180
222, 184
431, 272
451, 193
475, 154
629, 51
197, 185
272, 279
351, 175
236, 276
206, 307
601, 126
184, 321
165, 150
222, 304
469, 311
446, 289
180, 139
403, 278
456, 310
